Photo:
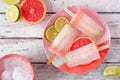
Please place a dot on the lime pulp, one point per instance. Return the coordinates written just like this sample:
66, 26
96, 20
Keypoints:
11, 1
12, 13
111, 71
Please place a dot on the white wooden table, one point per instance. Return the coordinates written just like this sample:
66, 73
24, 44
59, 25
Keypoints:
25, 39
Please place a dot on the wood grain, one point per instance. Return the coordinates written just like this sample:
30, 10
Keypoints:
45, 72
9, 29
30, 48
34, 50
25, 39
55, 5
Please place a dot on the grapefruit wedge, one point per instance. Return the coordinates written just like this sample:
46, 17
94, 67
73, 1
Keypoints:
33, 11
79, 42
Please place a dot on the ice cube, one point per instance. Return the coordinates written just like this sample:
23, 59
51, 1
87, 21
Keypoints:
21, 74
6, 75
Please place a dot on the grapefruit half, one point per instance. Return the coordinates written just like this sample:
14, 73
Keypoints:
79, 42
33, 11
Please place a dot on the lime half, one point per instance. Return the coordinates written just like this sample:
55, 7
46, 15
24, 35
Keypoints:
12, 13
60, 22
11, 1
111, 71
50, 33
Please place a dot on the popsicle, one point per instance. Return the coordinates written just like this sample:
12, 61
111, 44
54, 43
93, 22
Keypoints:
85, 24
84, 55
63, 41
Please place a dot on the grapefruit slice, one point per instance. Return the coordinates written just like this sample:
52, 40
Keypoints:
33, 11
79, 42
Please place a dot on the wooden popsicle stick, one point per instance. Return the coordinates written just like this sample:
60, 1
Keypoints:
51, 59
69, 12
103, 47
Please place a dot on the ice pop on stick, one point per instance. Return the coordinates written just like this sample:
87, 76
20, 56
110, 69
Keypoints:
85, 24
63, 41
84, 55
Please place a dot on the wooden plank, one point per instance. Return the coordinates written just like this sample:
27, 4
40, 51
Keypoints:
45, 72
113, 21
55, 5
99, 5
34, 50
8, 29
5, 22
30, 48
113, 55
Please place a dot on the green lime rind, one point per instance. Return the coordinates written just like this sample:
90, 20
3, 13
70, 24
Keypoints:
11, 1
12, 13
19, 15
50, 33
60, 22
111, 71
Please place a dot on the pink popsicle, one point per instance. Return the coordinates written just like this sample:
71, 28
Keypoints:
84, 55
85, 24
63, 41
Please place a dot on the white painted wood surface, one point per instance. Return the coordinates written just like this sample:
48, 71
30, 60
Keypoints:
8, 29
34, 50
45, 72
25, 39
98, 5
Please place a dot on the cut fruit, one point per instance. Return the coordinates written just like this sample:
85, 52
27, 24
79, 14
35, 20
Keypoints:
60, 22
11, 1
33, 11
12, 13
50, 33
111, 71
79, 42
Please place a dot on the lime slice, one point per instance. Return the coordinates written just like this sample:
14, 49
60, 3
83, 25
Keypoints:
51, 33
111, 71
60, 22
11, 1
12, 13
